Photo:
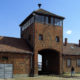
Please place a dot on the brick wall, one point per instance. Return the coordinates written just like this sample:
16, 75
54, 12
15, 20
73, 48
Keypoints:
73, 63
49, 41
28, 35
49, 33
21, 62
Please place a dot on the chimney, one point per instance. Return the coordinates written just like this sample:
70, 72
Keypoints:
79, 43
65, 42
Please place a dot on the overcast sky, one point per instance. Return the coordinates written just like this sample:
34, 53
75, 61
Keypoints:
13, 12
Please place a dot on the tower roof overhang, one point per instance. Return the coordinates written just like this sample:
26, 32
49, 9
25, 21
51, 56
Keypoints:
41, 12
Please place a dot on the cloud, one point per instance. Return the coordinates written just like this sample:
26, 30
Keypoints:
68, 32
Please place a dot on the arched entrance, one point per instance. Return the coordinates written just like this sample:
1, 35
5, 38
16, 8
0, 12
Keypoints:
50, 61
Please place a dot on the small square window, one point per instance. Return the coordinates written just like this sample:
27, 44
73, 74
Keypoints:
4, 58
57, 39
40, 37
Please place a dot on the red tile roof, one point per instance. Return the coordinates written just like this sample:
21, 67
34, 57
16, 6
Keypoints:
8, 44
71, 49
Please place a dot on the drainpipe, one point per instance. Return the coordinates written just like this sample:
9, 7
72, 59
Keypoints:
31, 73
63, 62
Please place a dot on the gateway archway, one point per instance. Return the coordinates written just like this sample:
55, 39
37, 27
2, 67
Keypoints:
50, 61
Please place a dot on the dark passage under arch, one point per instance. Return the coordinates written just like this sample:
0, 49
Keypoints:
50, 61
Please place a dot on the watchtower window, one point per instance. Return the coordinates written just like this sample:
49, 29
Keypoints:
46, 20
27, 24
49, 21
39, 18
57, 39
58, 22
40, 37
52, 20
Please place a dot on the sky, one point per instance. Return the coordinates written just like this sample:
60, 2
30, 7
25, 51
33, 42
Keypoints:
13, 12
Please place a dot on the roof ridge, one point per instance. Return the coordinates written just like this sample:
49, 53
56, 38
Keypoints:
44, 10
10, 37
48, 12
71, 43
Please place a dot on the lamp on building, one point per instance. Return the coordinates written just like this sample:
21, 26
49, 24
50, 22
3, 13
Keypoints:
39, 5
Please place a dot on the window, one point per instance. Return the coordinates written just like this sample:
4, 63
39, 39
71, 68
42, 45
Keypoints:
4, 58
39, 18
57, 39
46, 20
68, 62
49, 20
40, 37
58, 22
78, 62
28, 23
52, 22
42, 19
32, 20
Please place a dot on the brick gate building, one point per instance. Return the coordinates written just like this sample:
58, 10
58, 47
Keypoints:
44, 33
41, 33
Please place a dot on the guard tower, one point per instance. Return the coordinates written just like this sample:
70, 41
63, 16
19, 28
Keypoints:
43, 31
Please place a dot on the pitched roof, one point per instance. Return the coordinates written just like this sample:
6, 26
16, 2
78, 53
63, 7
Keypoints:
8, 44
41, 11
17, 45
71, 49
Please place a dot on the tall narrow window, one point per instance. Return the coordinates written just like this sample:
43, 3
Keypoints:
57, 39
37, 18
60, 22
40, 37
42, 19
46, 20
68, 62
49, 20
52, 21
78, 62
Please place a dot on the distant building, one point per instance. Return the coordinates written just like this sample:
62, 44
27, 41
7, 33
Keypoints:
41, 33
71, 56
